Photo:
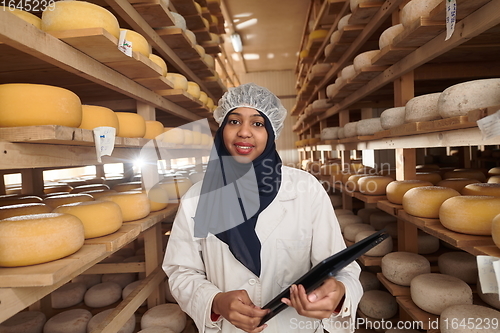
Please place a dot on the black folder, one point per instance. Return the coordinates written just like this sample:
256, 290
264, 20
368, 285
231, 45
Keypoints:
324, 270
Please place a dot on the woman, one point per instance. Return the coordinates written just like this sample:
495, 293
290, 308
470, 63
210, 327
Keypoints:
252, 227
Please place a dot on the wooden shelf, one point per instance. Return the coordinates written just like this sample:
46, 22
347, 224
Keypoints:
369, 198
155, 13
364, 12
416, 313
389, 207
394, 289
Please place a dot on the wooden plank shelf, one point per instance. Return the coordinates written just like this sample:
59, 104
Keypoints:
175, 38
202, 35
195, 22
155, 13
118, 239
155, 83
369, 198
390, 55
181, 97
389, 207
215, 85
394, 289
439, 125
200, 67
491, 250
185, 7
364, 12
466, 7
418, 33
368, 73
211, 47
416, 313
214, 7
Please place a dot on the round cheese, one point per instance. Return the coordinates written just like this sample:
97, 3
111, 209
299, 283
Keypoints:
173, 135
193, 89
25, 16
425, 201
369, 126
24, 322
392, 117
414, 9
422, 108
154, 130
332, 90
339, 212
122, 279
432, 177
365, 213
374, 185
39, 238
96, 194
89, 187
378, 304
139, 43
68, 295
71, 15
350, 130
129, 288
96, 116
46, 105
23, 209
158, 198
389, 34
492, 189
64, 199
203, 97
210, 61
165, 315
468, 318
131, 125
380, 219
176, 187
379, 250
364, 59
494, 180
74, 321
426, 243
495, 171
459, 264
179, 20
343, 22
134, 205
470, 214
457, 183
369, 281
103, 294
461, 98
348, 72
178, 80
15, 200
345, 220
342, 133
351, 184
465, 173
329, 133
88, 280
128, 186
401, 267
97, 319
160, 62
397, 188
188, 137
99, 218
351, 230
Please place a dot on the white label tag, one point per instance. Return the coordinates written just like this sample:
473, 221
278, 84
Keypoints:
451, 17
487, 276
490, 125
124, 45
104, 138
496, 268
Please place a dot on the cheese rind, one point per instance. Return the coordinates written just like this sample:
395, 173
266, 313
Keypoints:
23, 209
166, 315
364, 59
378, 304
68, 295
97, 319
96, 116
395, 190
459, 264
139, 43
154, 130
457, 183
25, 16
64, 199
414, 9
131, 125
74, 321
492, 189
389, 34
103, 294
24, 322
425, 201
160, 62
134, 205
374, 185
470, 313
401, 267
422, 108
392, 117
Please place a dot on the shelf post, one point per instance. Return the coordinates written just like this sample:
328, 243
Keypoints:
32, 181
2, 184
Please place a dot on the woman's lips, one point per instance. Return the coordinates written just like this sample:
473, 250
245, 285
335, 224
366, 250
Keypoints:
243, 148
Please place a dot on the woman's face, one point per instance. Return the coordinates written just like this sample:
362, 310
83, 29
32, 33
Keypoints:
245, 135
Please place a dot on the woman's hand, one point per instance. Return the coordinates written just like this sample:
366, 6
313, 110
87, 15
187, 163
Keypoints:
320, 303
236, 307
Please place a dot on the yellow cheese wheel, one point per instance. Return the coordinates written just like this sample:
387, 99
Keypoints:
96, 194
425, 201
64, 199
196, 137
209, 60
482, 189
99, 218
210, 103
200, 50
352, 182
495, 230
193, 89
206, 139
37, 104
158, 198
188, 137
396, 189
432, 177
191, 36
23, 209
494, 180
470, 214
465, 173
134, 205
178, 80
131, 125
173, 135
318, 34
57, 188
28, 17
89, 187
457, 183
139, 43
39, 238
128, 186
160, 62
374, 185
303, 54
495, 171
96, 116
176, 187
203, 97
153, 129
69, 15
15, 200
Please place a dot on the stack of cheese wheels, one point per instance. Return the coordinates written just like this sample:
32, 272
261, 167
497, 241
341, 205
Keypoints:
425, 201
422, 108
351, 230
68, 294
139, 43
461, 98
433, 177
97, 319
134, 205
25, 16
160, 62
401, 267
457, 183
465, 173
96, 116
165, 315
154, 130
459, 264
99, 218
492, 189
389, 34
103, 294
25, 322
470, 214
452, 319
369, 126
435, 292
64, 199
39, 238
176, 187
70, 15
173, 135
378, 304
15, 200
23, 209
75, 321
46, 105
369, 281
374, 185
178, 80
414, 9
131, 125
127, 186
89, 187
392, 117
396, 189
379, 250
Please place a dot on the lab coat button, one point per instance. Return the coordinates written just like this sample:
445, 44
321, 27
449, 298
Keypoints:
252, 282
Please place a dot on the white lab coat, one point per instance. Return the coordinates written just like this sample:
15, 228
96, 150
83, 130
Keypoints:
297, 230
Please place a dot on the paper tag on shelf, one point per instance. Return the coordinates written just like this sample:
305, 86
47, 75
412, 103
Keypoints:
124, 45
451, 17
104, 138
488, 275
490, 125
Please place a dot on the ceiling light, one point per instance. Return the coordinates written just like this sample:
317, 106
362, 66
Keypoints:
246, 24
236, 41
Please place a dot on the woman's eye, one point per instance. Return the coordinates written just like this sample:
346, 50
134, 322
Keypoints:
233, 122
259, 124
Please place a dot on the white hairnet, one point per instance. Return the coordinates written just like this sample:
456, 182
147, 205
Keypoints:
256, 97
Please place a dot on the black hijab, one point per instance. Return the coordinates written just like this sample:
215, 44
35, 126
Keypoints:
234, 194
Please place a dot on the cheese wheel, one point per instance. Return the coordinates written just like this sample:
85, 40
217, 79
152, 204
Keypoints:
24, 322
39, 238
173, 135
46, 105
139, 43
401, 267
422, 108
396, 189
495, 171
461, 98
482, 189
494, 180
160, 62
426, 244
378, 304
470, 214
57, 188
15, 200
329, 133
130, 288
432, 177
96, 194
179, 20
165, 315
369, 126
201, 50
176, 187
156, 329
364, 60
319, 34
88, 280
178, 80
459, 318
351, 184
414, 9
374, 185
379, 250
210, 103
214, 38
348, 72
343, 22
435, 292
365, 213
68, 295
89, 187
134, 205
345, 220
389, 34
380, 219
459, 264
369, 281
131, 125
70, 15
425, 201
153, 130
457, 183
158, 198
350, 130
193, 89
25, 16
335, 37
99, 218
203, 97
74, 321
339, 212
188, 137
489, 298
351, 230
23, 209
392, 117
321, 68
128, 186
97, 319
64, 199
103, 294
122, 279
209, 60
465, 173
96, 116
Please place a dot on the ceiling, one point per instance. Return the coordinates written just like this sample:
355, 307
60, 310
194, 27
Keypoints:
271, 32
